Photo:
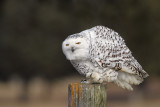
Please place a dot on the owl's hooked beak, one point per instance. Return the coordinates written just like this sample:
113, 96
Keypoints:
72, 49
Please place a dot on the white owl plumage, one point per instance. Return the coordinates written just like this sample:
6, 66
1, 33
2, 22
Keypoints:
101, 55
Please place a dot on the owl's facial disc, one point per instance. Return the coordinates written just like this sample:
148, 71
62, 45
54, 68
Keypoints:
75, 48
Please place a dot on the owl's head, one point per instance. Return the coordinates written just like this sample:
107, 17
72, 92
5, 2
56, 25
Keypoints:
76, 47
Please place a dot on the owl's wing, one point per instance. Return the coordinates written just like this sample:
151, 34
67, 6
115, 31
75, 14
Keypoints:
108, 50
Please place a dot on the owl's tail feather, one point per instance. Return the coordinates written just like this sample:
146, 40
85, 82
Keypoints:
144, 74
129, 78
124, 85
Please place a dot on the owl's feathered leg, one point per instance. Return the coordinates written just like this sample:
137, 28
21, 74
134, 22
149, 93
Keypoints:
94, 77
113, 76
110, 75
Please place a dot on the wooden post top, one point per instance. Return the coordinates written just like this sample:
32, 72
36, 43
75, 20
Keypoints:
86, 95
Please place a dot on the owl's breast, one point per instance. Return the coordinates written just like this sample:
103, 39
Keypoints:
85, 66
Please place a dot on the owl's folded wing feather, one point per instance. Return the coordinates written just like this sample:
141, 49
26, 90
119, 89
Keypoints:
108, 50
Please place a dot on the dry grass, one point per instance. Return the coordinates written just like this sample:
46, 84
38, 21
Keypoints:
40, 93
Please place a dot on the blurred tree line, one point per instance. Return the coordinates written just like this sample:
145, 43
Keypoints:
31, 32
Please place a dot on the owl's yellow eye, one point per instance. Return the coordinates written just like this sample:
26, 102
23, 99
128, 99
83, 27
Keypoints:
78, 43
67, 44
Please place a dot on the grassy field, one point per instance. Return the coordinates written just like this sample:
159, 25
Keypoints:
40, 93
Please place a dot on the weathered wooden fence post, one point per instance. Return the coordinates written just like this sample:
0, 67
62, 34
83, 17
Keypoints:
87, 95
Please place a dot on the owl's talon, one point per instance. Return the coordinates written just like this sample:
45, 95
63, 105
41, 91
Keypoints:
84, 81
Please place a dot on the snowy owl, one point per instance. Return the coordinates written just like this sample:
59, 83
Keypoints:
101, 55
